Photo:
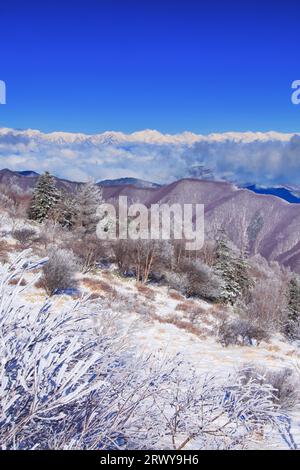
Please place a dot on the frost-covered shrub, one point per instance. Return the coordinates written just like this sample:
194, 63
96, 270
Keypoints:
145, 259
285, 383
266, 304
177, 281
24, 236
59, 272
209, 413
68, 380
59, 372
89, 251
202, 281
242, 332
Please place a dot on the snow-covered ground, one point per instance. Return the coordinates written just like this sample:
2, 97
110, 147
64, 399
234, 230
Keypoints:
157, 321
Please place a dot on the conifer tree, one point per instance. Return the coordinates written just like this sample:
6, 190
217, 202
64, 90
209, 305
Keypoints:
225, 267
45, 197
232, 269
89, 197
293, 310
242, 274
64, 212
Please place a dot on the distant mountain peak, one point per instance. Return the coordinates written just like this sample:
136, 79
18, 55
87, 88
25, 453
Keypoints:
138, 183
28, 173
290, 194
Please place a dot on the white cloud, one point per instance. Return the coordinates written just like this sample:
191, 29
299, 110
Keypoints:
264, 158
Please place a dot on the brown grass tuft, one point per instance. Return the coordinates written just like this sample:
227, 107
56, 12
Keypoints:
4, 250
99, 286
200, 332
15, 281
188, 306
145, 291
176, 296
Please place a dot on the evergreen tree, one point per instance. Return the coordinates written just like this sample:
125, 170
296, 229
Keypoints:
64, 212
88, 199
242, 274
293, 312
233, 270
45, 197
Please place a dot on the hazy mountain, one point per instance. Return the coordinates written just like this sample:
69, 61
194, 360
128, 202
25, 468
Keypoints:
28, 173
263, 224
26, 180
129, 181
288, 193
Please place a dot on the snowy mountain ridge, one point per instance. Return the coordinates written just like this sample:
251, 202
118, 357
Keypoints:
149, 136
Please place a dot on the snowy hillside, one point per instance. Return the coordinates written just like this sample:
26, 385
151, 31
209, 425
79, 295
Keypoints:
139, 344
150, 321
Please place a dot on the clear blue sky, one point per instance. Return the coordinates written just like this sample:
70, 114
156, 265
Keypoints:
91, 66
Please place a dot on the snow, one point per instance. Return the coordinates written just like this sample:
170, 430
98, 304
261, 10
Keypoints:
150, 136
151, 317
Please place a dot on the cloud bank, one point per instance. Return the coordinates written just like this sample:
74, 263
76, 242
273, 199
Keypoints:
264, 158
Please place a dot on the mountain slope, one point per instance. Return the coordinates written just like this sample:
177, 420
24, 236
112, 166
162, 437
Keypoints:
263, 224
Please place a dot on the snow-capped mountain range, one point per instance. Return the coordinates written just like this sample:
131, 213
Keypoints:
269, 159
148, 136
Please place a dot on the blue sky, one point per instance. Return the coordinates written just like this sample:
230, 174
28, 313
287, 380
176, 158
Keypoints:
92, 66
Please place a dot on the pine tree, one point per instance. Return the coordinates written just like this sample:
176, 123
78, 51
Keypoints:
242, 273
45, 197
89, 197
64, 212
225, 267
293, 312
233, 270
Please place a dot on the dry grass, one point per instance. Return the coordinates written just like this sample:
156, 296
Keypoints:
99, 286
108, 275
188, 306
39, 284
200, 332
146, 291
273, 348
5, 249
176, 296
218, 311
16, 281
192, 309
95, 296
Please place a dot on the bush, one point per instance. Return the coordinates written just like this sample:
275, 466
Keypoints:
24, 236
285, 383
59, 272
146, 259
202, 281
89, 252
266, 304
177, 281
241, 332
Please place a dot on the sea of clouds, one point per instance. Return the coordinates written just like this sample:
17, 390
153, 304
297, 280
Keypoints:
264, 158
